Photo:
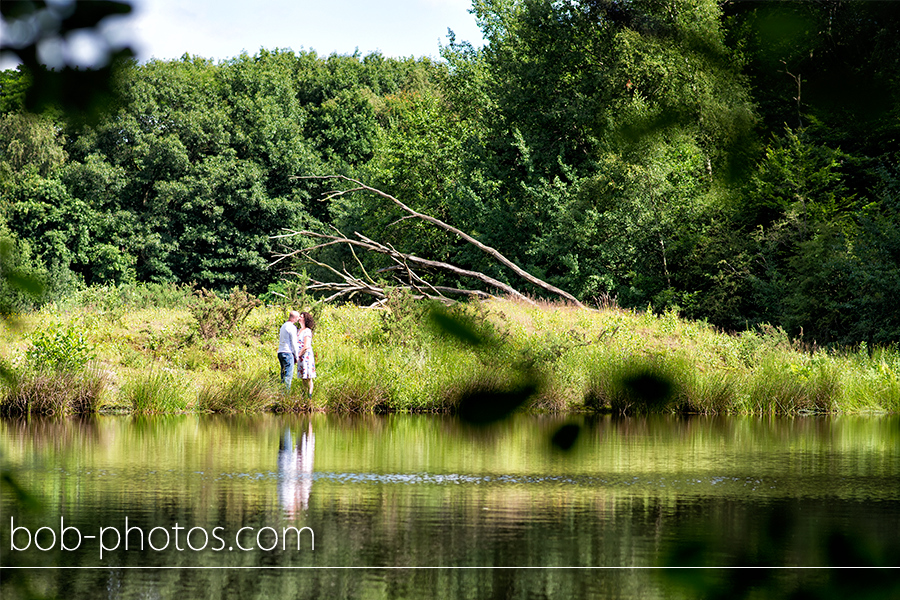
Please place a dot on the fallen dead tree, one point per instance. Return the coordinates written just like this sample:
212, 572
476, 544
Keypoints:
403, 270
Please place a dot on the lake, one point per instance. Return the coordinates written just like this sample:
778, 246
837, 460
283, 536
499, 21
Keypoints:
423, 506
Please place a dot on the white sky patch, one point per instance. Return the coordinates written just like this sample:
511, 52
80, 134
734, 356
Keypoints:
223, 29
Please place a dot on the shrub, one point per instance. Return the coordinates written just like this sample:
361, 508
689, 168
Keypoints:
216, 316
99, 300
60, 348
22, 284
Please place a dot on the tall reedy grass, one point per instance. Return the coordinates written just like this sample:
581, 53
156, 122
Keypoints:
634, 384
360, 380
870, 379
683, 380
156, 392
243, 393
53, 392
295, 401
778, 385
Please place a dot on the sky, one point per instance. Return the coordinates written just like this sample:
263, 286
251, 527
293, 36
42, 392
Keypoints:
223, 29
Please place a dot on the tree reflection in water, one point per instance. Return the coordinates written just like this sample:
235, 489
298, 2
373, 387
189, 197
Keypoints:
295, 470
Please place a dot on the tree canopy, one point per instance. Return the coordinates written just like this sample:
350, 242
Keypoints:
735, 161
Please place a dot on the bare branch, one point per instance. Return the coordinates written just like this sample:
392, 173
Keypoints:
399, 257
442, 290
451, 268
461, 234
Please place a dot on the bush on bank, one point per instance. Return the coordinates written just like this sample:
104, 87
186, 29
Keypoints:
144, 349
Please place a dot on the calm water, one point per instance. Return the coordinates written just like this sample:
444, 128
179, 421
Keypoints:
422, 506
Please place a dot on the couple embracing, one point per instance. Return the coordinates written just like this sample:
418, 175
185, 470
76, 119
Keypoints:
295, 346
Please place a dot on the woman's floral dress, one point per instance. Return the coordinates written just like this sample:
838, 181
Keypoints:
306, 368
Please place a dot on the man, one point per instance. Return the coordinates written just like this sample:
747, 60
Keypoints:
288, 348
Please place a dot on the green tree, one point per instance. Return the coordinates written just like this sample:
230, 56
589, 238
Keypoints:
827, 66
418, 157
13, 87
608, 124
29, 142
22, 280
192, 170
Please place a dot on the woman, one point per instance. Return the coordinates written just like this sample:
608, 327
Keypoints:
306, 366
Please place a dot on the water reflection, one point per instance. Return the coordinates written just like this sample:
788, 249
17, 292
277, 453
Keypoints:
424, 491
53, 433
295, 470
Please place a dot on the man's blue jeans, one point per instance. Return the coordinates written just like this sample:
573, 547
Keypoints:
287, 368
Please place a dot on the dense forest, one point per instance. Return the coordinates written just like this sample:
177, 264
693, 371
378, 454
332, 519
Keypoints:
734, 161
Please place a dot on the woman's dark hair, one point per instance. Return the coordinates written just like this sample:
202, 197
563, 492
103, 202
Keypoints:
308, 321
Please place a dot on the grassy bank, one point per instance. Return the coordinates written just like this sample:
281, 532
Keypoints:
164, 350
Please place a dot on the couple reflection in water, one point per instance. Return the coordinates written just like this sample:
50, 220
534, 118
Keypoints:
295, 470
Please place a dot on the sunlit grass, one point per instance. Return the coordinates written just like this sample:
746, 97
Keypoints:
156, 392
246, 393
51, 392
580, 359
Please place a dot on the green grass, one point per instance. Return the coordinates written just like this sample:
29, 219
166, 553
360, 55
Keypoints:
156, 392
50, 392
153, 360
245, 393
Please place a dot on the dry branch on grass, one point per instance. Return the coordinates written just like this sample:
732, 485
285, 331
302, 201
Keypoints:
350, 285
